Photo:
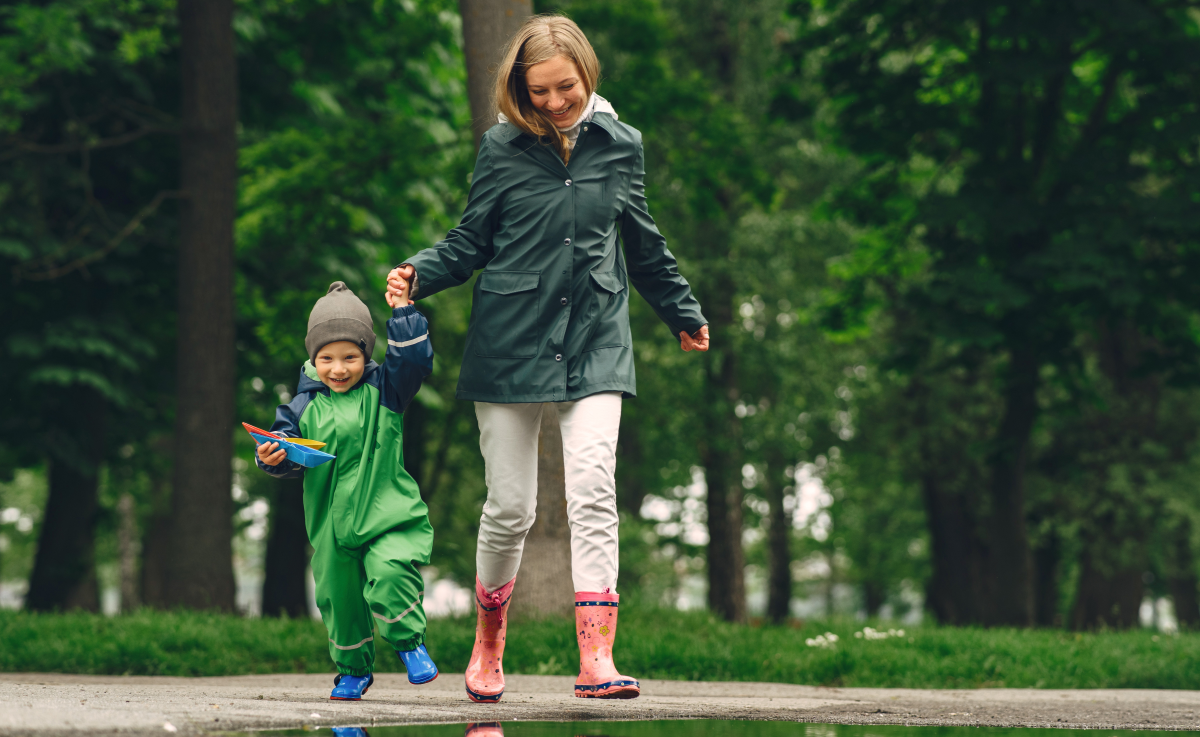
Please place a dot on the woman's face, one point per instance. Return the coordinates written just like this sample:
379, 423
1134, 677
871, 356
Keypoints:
556, 88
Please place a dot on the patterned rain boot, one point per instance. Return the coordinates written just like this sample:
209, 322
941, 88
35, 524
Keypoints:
418, 665
350, 688
485, 673
596, 628
485, 729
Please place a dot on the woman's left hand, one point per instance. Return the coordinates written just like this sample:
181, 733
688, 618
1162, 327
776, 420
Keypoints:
697, 342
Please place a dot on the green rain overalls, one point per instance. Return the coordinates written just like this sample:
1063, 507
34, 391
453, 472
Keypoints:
366, 522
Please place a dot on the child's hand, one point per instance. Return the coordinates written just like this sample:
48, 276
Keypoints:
270, 458
398, 287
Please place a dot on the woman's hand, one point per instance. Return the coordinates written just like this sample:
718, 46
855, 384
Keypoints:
270, 458
696, 342
399, 280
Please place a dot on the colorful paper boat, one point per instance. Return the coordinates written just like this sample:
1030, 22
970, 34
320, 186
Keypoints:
297, 452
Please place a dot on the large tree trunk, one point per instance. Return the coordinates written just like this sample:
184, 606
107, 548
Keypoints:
954, 593
1010, 566
1107, 598
779, 550
64, 570
722, 470
1185, 589
1046, 563
487, 26
544, 585
201, 558
156, 545
285, 580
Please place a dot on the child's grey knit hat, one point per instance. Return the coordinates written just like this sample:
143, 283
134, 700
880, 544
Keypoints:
339, 315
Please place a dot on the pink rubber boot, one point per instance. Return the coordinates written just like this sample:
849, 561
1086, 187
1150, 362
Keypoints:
596, 628
485, 673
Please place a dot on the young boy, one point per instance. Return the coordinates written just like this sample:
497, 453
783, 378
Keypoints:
367, 524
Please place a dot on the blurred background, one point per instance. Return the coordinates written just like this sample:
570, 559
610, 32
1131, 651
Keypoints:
949, 249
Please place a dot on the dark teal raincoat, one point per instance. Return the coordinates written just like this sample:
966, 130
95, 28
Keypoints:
550, 316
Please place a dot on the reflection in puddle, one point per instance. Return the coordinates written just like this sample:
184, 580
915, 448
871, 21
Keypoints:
697, 728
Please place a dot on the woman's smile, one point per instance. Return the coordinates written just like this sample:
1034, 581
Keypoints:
555, 88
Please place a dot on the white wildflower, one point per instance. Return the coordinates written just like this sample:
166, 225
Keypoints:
169, 727
826, 640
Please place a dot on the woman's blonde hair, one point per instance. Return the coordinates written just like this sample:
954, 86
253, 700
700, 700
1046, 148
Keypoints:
540, 39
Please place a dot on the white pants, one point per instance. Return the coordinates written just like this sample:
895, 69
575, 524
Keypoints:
508, 437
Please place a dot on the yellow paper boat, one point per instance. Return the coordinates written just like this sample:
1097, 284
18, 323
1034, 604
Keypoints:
314, 444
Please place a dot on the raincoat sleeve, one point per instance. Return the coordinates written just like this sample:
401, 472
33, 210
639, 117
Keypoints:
287, 424
409, 358
652, 268
468, 247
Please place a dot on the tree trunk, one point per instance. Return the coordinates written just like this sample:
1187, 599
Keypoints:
631, 490
954, 593
487, 26
201, 556
1009, 571
1107, 599
1182, 579
722, 470
544, 586
1046, 559
779, 552
156, 545
127, 550
64, 570
285, 579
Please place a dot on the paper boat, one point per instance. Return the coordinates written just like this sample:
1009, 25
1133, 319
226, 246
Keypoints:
299, 450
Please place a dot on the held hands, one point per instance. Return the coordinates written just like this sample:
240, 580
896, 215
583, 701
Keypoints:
269, 456
695, 342
398, 282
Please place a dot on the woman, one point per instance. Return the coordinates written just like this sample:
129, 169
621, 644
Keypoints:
556, 181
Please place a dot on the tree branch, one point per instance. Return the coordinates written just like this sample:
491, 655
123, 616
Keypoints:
67, 148
116, 240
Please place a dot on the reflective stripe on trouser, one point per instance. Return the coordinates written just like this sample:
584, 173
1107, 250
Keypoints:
376, 585
508, 438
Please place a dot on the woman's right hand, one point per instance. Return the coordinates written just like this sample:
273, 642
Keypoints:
269, 456
399, 280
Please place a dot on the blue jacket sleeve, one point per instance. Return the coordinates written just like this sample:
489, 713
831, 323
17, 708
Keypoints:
409, 358
287, 424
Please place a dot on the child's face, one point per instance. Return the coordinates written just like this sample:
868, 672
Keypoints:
340, 365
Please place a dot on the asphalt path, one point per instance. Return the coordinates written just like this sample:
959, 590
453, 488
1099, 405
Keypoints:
46, 704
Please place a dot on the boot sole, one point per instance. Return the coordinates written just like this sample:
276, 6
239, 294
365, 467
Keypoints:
484, 698
427, 680
625, 690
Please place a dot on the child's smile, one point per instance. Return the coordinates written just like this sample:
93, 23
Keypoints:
340, 365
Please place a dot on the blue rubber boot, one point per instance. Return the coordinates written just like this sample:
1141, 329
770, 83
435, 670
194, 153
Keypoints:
350, 732
419, 665
350, 688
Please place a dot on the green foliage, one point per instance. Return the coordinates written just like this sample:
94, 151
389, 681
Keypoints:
653, 644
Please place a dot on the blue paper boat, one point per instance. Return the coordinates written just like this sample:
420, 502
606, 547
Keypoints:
307, 457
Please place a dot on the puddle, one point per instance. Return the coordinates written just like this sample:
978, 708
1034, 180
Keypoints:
696, 728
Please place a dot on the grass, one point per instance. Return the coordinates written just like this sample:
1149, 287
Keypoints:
651, 644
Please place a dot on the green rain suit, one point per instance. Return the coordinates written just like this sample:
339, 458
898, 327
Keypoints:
367, 524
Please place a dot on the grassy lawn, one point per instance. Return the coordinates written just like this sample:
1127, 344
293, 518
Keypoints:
651, 644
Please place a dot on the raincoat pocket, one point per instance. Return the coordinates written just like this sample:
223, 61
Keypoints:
506, 314
612, 322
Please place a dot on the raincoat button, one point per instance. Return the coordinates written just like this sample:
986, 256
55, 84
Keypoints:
558, 357
567, 242
564, 300
568, 182
585, 127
